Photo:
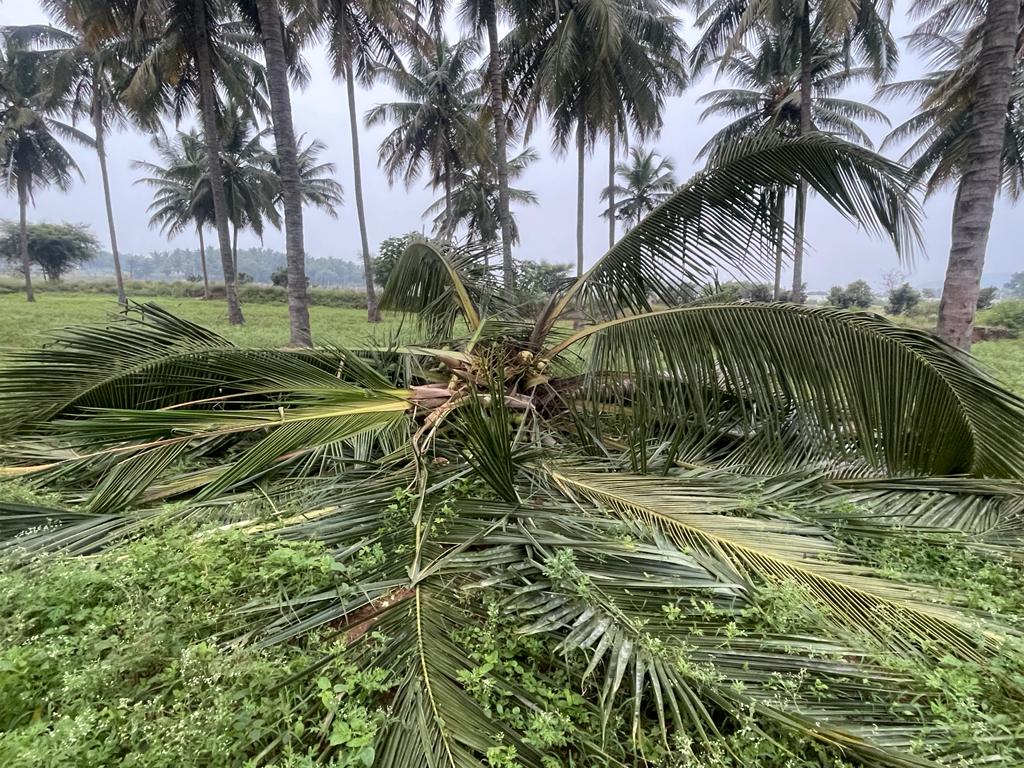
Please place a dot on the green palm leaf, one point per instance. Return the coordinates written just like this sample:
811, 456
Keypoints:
773, 385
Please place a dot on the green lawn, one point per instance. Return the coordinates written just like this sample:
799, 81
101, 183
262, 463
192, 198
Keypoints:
23, 324
1005, 359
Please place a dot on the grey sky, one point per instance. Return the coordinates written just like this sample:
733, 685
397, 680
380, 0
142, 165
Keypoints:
839, 253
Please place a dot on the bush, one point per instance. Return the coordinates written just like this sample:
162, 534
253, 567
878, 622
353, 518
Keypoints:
734, 291
986, 296
902, 300
1005, 314
856, 294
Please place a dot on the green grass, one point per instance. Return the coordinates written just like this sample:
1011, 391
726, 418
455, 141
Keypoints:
25, 325
1005, 360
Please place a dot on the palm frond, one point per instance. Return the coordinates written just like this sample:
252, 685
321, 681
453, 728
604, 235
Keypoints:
781, 383
715, 224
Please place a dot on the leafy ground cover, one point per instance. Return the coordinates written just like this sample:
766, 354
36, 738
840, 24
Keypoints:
108, 660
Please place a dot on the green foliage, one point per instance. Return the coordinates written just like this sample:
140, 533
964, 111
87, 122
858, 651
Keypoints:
538, 279
902, 300
388, 254
734, 291
1015, 286
55, 248
113, 662
986, 296
1008, 313
856, 294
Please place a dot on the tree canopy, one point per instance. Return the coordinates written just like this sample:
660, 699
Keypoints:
55, 248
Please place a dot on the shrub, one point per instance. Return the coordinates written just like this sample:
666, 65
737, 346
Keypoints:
902, 300
1006, 314
986, 296
734, 291
856, 294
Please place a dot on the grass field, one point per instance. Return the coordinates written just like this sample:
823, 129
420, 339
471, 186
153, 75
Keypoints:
23, 324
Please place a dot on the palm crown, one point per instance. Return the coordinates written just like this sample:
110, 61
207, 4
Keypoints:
768, 92
941, 131
647, 181
622, 493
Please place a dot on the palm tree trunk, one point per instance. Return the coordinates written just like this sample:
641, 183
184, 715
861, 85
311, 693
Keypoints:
101, 152
494, 77
581, 156
234, 249
447, 200
611, 187
208, 108
272, 27
26, 262
806, 86
799, 223
979, 184
202, 262
780, 237
372, 313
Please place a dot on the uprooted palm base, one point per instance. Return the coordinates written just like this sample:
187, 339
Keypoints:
631, 494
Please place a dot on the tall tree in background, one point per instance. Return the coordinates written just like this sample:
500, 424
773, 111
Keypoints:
860, 25
361, 36
194, 50
766, 96
474, 200
177, 184
31, 152
481, 18
970, 129
599, 67
647, 181
272, 29
317, 185
437, 124
87, 70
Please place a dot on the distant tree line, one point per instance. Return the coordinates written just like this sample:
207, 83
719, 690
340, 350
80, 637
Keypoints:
257, 264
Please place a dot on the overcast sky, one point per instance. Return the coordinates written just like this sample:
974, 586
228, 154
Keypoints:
839, 253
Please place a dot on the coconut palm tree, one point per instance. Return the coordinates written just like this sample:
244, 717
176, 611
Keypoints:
252, 184
969, 130
179, 201
766, 97
266, 17
32, 155
647, 181
86, 75
862, 25
473, 201
630, 494
603, 66
194, 52
362, 37
437, 123
317, 185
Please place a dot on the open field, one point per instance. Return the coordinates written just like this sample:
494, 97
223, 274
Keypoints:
23, 324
